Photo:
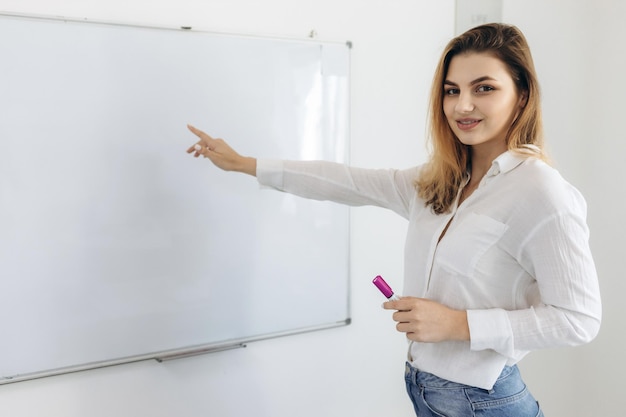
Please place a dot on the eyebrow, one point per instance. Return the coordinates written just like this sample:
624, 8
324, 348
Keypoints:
476, 81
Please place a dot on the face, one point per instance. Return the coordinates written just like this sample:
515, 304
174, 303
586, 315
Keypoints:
480, 100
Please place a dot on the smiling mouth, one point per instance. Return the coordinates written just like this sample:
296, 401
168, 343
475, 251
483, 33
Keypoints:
467, 124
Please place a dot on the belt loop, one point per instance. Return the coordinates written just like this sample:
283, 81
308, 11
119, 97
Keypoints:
410, 371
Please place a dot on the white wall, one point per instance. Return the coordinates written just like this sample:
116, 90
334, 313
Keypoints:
348, 371
578, 51
357, 370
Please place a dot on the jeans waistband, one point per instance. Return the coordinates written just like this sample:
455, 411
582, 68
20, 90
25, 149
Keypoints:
430, 380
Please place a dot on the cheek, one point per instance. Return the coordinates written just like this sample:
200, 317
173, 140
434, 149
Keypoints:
502, 111
507, 109
508, 119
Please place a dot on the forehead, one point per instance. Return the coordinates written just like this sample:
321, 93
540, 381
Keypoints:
467, 67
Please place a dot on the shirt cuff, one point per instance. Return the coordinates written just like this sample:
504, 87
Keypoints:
491, 329
269, 173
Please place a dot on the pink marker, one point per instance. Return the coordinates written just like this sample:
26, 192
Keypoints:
385, 288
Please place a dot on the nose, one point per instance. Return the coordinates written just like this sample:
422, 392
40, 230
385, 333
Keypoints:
465, 103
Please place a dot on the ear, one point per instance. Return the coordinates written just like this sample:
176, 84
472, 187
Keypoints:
523, 99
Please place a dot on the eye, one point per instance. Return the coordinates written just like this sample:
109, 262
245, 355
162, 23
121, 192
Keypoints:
484, 89
451, 91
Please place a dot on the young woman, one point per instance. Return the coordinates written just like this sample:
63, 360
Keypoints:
497, 261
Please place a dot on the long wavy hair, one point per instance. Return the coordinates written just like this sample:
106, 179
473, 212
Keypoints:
450, 159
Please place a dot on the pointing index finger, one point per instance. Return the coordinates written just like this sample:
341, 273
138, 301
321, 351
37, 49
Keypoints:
199, 133
205, 139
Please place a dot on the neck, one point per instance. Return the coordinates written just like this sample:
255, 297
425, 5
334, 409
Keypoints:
482, 159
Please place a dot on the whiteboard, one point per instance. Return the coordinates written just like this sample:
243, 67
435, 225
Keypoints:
115, 244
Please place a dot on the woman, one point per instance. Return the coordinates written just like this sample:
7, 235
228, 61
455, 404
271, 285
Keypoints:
497, 261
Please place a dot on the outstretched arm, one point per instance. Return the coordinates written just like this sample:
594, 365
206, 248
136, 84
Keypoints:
221, 154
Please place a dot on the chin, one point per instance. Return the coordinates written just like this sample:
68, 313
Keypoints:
467, 141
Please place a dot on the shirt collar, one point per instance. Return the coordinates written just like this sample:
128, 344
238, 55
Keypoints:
505, 163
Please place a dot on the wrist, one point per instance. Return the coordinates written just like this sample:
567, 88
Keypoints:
461, 327
248, 166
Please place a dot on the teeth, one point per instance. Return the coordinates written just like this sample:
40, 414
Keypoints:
467, 122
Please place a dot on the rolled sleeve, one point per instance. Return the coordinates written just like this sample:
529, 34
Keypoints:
491, 329
269, 173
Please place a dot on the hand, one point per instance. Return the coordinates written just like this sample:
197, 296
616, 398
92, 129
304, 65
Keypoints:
222, 155
425, 320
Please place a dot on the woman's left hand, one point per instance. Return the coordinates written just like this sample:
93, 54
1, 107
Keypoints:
425, 320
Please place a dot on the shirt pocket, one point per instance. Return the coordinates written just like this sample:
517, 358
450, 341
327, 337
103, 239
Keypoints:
463, 246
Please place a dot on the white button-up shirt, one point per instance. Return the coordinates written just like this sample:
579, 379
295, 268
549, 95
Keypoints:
515, 256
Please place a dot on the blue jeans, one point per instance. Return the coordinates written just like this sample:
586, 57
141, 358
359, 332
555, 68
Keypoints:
436, 397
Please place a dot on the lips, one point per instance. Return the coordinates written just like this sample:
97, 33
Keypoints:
467, 124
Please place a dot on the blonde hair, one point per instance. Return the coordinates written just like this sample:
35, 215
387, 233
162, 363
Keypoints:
449, 161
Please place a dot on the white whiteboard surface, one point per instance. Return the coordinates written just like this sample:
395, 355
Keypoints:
116, 245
